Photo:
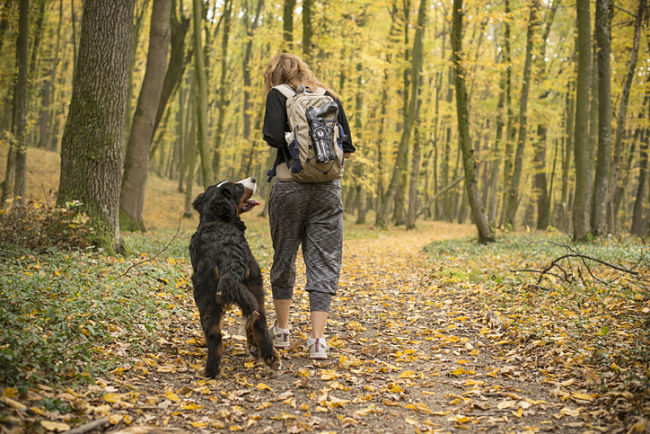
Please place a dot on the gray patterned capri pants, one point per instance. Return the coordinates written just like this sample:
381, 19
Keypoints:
310, 214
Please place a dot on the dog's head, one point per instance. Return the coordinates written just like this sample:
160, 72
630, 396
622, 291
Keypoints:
225, 200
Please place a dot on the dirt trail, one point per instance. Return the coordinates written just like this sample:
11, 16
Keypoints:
406, 357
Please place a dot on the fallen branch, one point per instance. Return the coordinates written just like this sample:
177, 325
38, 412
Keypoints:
157, 254
88, 426
582, 257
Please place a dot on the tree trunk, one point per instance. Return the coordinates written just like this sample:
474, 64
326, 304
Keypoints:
15, 182
637, 215
414, 111
142, 127
4, 21
620, 119
177, 61
507, 155
580, 201
307, 31
383, 199
135, 35
246, 71
513, 198
287, 23
539, 146
469, 162
201, 89
221, 116
600, 196
93, 138
190, 154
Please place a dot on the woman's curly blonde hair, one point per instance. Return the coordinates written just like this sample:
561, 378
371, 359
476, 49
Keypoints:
287, 68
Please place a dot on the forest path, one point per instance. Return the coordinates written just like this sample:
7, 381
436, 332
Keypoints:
408, 354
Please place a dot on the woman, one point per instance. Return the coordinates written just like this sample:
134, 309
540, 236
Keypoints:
310, 214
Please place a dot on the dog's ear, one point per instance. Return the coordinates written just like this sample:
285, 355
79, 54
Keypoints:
199, 202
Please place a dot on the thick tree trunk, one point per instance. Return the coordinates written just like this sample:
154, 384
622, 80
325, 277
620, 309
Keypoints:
580, 203
201, 94
142, 127
614, 186
93, 139
469, 162
513, 198
600, 196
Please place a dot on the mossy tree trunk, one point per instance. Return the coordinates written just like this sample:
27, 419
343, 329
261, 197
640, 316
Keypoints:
307, 30
485, 233
15, 182
142, 127
93, 139
600, 196
581, 197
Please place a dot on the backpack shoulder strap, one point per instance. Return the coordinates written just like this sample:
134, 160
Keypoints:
285, 90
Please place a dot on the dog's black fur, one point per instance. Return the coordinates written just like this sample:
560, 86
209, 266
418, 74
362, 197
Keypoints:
226, 273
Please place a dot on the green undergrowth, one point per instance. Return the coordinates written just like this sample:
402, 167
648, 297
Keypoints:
66, 314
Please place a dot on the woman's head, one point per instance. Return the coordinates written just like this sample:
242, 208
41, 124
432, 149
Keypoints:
286, 68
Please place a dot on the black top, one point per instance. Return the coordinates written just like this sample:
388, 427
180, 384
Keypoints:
276, 124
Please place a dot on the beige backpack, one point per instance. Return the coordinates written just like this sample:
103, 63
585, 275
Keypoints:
315, 141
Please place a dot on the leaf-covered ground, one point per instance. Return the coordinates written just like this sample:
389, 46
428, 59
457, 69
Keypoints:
442, 339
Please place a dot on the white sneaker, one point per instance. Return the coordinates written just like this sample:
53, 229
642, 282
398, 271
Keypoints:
318, 348
280, 336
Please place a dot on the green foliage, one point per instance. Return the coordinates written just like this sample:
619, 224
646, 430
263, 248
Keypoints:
63, 311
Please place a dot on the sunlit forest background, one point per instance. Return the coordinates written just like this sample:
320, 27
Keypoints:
519, 64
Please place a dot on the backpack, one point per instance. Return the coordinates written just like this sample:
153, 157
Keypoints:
315, 141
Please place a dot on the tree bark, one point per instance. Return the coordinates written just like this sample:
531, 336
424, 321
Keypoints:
307, 31
15, 182
581, 230
142, 127
539, 146
509, 133
513, 198
414, 111
93, 140
222, 103
135, 35
177, 61
600, 196
287, 23
201, 89
614, 186
485, 233
637, 214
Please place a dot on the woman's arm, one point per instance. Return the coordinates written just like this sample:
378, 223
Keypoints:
275, 119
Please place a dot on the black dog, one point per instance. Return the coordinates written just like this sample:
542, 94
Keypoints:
226, 273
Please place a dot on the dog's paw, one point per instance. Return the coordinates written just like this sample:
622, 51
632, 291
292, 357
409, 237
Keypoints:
273, 361
254, 352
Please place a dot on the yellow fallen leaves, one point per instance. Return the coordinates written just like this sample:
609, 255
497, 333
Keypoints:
14, 404
461, 371
55, 426
10, 392
262, 386
191, 406
328, 375
172, 396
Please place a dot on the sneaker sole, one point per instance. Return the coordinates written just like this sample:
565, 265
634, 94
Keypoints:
281, 345
320, 356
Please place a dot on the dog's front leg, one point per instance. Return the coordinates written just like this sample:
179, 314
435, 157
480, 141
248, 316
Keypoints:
212, 328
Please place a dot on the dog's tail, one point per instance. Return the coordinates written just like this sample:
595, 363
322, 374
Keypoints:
231, 291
